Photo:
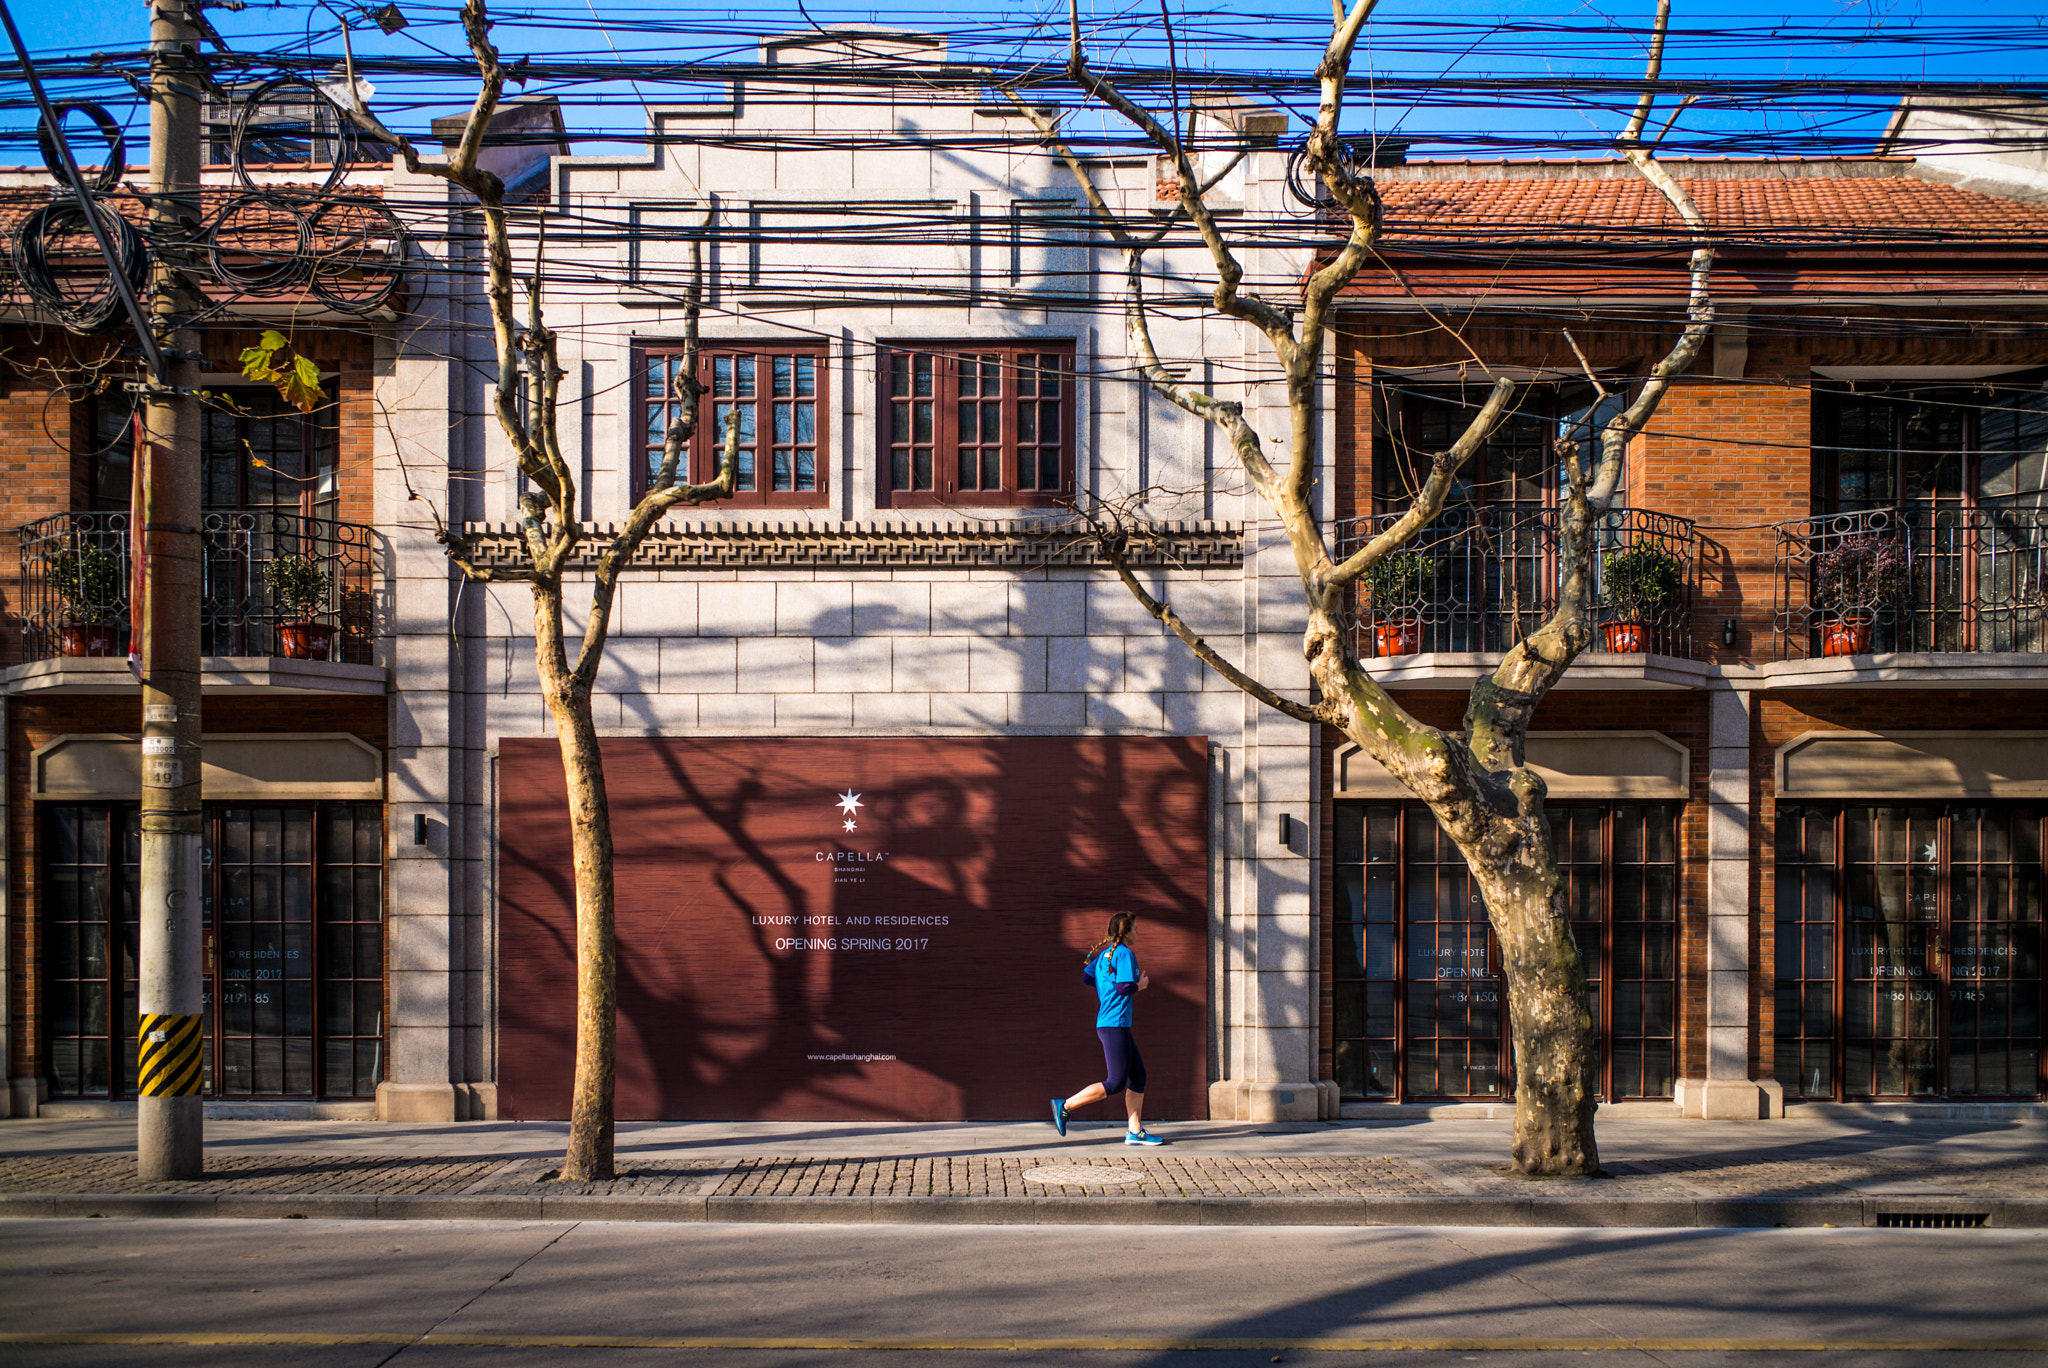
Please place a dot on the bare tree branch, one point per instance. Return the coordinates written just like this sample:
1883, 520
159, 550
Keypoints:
1500, 708
1429, 500
1112, 552
1267, 318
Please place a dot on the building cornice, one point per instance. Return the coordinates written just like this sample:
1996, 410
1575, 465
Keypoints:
995, 545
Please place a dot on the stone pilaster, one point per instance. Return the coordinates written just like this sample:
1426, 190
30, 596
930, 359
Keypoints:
1728, 1093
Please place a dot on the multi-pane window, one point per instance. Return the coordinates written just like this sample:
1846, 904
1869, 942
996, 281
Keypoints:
779, 395
262, 904
256, 452
351, 951
1419, 1006
294, 949
1492, 551
985, 425
259, 452
1960, 474
1620, 867
91, 858
1908, 951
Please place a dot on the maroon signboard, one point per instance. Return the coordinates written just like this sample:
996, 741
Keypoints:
830, 929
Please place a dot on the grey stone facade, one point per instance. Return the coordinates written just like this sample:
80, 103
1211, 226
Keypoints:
816, 627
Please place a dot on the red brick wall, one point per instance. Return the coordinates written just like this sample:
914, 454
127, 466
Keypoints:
1734, 456
40, 427
33, 722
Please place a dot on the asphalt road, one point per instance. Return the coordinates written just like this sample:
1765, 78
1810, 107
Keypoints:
360, 1294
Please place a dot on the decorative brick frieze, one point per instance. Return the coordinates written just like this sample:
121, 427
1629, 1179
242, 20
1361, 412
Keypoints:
1017, 545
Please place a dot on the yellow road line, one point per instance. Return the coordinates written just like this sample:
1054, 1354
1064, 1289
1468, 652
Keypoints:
1468, 1344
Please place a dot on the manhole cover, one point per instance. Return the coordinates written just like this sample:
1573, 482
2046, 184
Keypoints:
1082, 1175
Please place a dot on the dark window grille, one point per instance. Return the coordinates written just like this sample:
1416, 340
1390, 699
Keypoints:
1419, 1008
1956, 478
1492, 579
1492, 555
294, 949
238, 615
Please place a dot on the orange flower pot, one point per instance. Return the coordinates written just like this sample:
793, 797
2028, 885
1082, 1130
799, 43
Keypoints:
89, 640
306, 640
1626, 638
1397, 638
1846, 637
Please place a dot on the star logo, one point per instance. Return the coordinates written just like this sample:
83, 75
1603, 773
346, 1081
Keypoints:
851, 824
849, 803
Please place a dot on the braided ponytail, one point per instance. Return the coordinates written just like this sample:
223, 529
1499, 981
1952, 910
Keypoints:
1120, 926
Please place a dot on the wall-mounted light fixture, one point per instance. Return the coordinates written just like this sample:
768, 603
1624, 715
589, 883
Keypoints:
1727, 631
419, 828
1286, 831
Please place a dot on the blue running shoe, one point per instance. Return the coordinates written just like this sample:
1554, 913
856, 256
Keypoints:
1139, 1137
1059, 1115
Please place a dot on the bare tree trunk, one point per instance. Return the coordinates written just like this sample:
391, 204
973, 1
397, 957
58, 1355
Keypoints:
1555, 1059
1475, 780
552, 537
589, 1153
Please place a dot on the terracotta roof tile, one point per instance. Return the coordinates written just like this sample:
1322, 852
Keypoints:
260, 226
1864, 209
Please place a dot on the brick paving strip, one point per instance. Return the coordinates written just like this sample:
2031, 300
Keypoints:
1129, 1178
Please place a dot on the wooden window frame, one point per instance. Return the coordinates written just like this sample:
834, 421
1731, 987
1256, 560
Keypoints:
1833, 992
1403, 867
1548, 403
701, 456
325, 919
947, 359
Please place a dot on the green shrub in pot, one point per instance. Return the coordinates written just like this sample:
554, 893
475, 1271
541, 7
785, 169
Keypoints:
1638, 581
299, 584
87, 581
1397, 581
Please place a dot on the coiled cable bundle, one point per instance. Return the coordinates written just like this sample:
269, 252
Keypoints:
1308, 190
56, 253
275, 239
359, 251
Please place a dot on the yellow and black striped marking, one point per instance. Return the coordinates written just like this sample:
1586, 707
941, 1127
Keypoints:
167, 1064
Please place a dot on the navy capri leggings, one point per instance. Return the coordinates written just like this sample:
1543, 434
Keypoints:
1120, 1057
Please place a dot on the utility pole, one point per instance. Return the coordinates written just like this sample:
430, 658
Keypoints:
170, 1134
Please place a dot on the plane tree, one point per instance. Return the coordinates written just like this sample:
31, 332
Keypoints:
525, 386
1474, 777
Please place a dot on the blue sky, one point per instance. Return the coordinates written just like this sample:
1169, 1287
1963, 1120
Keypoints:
1809, 43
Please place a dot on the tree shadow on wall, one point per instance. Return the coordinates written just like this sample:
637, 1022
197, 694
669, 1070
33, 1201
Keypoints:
1025, 855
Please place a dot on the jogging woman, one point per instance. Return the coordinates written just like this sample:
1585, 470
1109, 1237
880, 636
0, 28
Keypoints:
1114, 971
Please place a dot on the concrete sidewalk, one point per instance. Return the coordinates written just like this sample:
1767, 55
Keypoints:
1828, 1169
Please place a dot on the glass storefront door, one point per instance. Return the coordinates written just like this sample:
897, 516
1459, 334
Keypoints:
294, 949
1908, 951
89, 947
1418, 1005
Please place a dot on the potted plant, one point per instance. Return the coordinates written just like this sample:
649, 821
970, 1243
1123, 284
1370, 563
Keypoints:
300, 585
1397, 583
1637, 582
87, 581
1852, 579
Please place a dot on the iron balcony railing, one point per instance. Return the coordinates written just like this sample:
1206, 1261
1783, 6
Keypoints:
1939, 577
1485, 578
73, 594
